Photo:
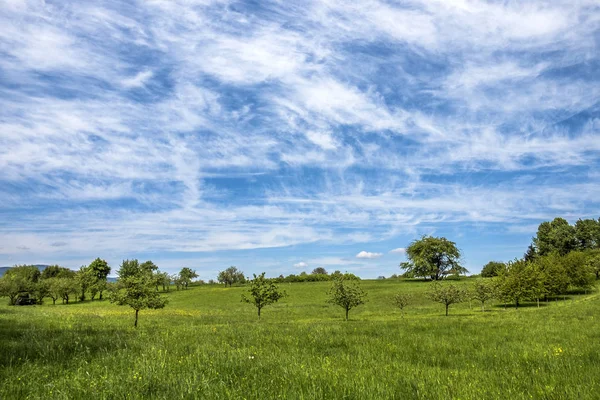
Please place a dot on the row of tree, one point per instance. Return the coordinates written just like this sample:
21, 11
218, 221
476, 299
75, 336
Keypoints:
26, 284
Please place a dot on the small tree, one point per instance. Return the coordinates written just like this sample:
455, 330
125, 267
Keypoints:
85, 277
483, 290
186, 275
230, 276
263, 292
136, 288
446, 294
139, 293
346, 295
53, 288
401, 300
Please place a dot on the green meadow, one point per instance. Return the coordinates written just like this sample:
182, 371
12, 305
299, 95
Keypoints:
207, 344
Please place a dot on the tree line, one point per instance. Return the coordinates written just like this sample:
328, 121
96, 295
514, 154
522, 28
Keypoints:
26, 284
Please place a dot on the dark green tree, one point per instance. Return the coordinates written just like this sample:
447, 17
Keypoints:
587, 234
555, 236
492, 269
319, 271
433, 257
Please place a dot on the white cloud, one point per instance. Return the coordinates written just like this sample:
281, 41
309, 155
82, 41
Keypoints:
366, 254
301, 264
399, 250
138, 80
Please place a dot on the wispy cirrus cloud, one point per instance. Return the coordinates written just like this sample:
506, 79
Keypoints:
194, 127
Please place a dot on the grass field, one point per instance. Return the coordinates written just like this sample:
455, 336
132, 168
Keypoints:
207, 344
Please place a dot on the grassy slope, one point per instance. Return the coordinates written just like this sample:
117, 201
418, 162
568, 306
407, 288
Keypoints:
207, 344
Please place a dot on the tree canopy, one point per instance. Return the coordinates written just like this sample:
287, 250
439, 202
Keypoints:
433, 257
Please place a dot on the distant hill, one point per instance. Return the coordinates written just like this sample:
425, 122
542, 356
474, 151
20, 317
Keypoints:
41, 267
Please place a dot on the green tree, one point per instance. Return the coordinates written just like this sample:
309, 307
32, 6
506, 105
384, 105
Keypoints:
186, 275
402, 300
492, 269
100, 269
67, 287
580, 274
230, 276
446, 294
515, 281
593, 263
262, 292
85, 277
587, 234
556, 236
319, 271
347, 295
19, 281
531, 253
433, 257
56, 271
553, 274
53, 289
483, 290
135, 288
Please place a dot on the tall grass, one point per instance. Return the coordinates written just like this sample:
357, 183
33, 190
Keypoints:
207, 344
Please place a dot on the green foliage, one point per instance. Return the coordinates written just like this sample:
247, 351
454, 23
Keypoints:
515, 282
230, 276
433, 257
556, 236
137, 291
65, 288
492, 269
580, 273
587, 234
56, 271
319, 271
483, 291
85, 278
447, 294
593, 263
100, 269
402, 300
347, 295
20, 281
186, 275
262, 292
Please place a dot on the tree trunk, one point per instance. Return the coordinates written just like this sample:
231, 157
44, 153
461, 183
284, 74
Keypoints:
538, 302
447, 305
347, 313
258, 312
136, 318
53, 302
482, 306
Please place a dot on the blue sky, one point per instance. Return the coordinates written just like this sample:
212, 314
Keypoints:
285, 136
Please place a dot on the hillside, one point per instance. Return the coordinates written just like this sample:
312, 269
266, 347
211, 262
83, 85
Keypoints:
208, 344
